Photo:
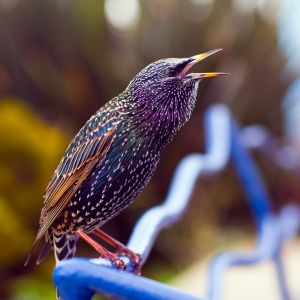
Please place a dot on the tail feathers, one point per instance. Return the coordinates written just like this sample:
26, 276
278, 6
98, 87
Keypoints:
64, 246
43, 252
35, 243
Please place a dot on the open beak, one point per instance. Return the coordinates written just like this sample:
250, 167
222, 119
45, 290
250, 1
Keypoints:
195, 59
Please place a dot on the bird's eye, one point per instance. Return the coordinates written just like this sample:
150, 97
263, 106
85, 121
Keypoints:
173, 72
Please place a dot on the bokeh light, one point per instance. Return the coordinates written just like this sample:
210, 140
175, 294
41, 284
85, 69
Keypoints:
202, 2
245, 6
6, 5
122, 15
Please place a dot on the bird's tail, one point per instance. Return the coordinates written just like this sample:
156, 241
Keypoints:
43, 252
64, 246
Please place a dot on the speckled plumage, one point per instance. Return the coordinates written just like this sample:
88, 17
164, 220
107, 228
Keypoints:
114, 155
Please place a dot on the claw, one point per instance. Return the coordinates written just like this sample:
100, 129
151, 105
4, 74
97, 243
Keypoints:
121, 249
134, 258
117, 262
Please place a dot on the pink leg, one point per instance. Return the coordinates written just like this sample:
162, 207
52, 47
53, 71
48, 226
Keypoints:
135, 258
117, 262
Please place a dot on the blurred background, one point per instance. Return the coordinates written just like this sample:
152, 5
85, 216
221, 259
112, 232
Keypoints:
60, 60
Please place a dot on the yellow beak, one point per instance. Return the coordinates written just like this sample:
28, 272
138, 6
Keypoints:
195, 59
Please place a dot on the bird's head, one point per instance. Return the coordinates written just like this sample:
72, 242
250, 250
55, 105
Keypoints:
167, 82
164, 93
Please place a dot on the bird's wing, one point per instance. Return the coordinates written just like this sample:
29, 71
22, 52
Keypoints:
71, 173
87, 149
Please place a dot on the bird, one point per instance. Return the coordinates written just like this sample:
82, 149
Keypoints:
113, 157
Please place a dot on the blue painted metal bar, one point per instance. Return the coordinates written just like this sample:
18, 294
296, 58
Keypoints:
269, 227
256, 192
284, 156
289, 221
221, 263
217, 123
87, 278
275, 230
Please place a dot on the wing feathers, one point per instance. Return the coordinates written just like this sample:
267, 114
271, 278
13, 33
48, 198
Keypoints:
70, 175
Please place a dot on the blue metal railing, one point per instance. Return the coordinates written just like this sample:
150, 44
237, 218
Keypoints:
81, 278
271, 229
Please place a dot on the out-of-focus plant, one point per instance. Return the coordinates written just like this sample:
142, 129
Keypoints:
29, 152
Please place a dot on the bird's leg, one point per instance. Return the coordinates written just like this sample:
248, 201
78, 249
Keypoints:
135, 258
104, 253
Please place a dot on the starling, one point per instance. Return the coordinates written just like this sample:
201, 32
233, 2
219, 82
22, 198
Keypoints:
114, 155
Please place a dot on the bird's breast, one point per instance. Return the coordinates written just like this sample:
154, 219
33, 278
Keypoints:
115, 182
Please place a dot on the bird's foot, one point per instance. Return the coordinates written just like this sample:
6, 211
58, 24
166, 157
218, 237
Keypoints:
114, 259
104, 253
134, 258
121, 249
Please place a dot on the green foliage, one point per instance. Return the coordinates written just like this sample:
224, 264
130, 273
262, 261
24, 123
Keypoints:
30, 150
14, 236
32, 289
